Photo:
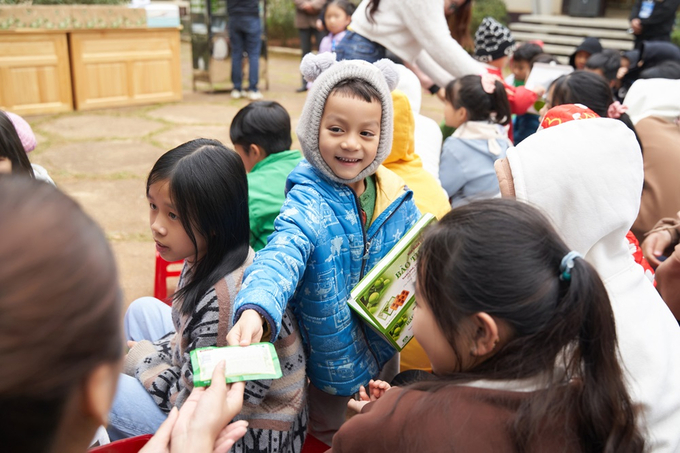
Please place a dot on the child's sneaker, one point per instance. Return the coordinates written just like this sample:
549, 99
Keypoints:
236, 94
254, 95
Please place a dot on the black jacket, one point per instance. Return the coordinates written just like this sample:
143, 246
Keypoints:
660, 22
243, 8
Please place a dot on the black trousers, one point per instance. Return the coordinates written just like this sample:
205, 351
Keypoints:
306, 42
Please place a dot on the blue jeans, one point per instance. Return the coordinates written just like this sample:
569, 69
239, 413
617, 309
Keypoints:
134, 412
524, 126
356, 47
245, 36
147, 318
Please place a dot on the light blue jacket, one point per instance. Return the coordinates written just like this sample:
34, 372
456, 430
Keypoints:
466, 164
319, 250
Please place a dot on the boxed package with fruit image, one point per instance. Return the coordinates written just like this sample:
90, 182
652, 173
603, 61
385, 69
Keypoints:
385, 297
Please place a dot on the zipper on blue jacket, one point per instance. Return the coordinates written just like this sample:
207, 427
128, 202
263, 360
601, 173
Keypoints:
367, 243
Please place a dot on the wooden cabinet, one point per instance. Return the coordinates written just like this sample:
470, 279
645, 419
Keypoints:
34, 72
113, 68
43, 71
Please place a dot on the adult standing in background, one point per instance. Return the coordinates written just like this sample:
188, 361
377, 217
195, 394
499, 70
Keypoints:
652, 20
415, 30
245, 34
306, 15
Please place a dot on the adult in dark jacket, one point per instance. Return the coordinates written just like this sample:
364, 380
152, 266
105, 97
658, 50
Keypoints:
652, 20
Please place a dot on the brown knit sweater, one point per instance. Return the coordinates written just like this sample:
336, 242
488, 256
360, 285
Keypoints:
456, 418
275, 409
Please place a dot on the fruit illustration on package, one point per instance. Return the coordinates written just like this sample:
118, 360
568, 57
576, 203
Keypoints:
398, 327
375, 292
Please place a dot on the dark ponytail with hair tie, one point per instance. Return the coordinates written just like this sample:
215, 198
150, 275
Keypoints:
481, 105
504, 258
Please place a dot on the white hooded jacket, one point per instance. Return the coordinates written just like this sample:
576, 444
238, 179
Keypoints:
587, 177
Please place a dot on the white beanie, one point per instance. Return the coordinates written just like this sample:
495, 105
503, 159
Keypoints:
326, 73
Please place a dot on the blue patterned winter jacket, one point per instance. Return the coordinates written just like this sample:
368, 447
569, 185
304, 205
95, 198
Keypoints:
319, 250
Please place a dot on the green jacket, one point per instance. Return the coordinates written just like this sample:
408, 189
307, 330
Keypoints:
266, 193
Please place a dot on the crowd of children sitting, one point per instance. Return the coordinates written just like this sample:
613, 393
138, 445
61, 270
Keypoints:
537, 328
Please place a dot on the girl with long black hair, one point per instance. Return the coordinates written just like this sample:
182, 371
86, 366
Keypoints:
198, 212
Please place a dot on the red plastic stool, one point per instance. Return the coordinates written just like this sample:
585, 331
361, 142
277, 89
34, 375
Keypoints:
160, 286
131, 445
314, 445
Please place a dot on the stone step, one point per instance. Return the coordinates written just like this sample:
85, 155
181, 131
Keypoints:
583, 32
557, 50
590, 22
573, 41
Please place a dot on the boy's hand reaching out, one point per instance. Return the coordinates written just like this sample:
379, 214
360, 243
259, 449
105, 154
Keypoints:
247, 330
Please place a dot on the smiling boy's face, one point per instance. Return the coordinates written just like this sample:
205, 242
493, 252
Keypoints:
349, 135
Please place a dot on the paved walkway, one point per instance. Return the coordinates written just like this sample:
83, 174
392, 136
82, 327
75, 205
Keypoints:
102, 158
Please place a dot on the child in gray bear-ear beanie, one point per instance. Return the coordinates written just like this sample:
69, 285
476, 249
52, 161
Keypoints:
343, 213
352, 79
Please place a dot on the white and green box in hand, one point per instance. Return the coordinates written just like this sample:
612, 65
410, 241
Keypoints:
385, 297
242, 363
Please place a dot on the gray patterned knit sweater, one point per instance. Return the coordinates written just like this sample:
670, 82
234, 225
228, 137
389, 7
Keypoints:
275, 409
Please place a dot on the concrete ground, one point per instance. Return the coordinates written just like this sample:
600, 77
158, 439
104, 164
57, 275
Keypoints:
101, 158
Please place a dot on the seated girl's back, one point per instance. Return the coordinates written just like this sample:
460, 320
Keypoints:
525, 359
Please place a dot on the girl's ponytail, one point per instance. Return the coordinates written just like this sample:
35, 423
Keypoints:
606, 416
483, 97
504, 258
501, 105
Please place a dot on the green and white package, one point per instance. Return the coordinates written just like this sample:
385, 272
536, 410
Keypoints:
243, 363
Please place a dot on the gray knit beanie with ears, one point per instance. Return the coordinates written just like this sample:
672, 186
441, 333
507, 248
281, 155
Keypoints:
326, 73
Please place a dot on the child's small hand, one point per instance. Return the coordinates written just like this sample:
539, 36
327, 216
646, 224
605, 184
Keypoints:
247, 330
356, 406
654, 246
131, 344
376, 389
539, 90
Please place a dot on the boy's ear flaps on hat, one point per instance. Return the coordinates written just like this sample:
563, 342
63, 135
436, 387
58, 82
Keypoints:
326, 73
